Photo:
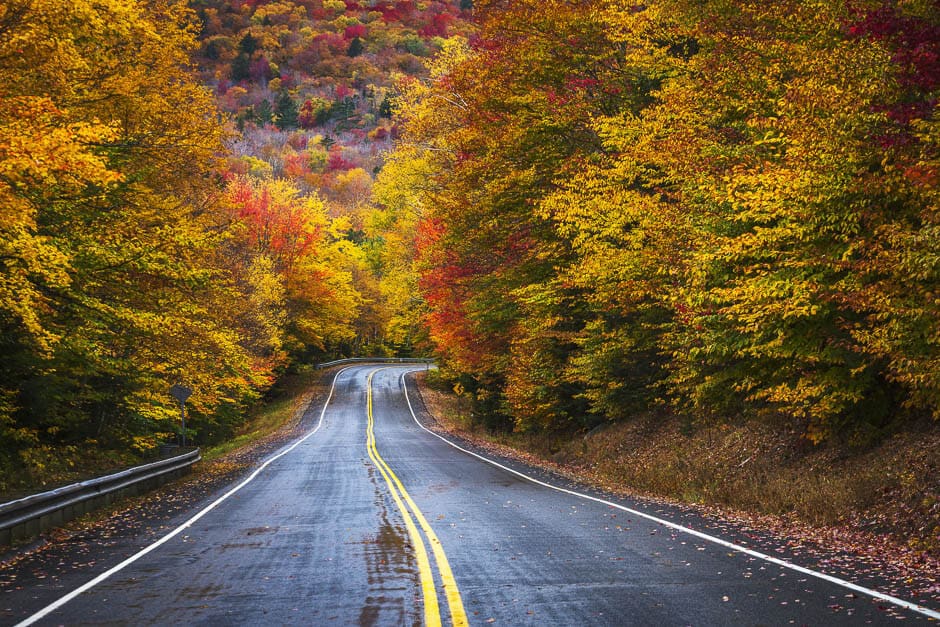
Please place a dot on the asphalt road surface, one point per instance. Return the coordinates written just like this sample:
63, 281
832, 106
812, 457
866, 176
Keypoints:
372, 520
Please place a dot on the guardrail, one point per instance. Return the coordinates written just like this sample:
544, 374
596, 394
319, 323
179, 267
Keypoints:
379, 360
27, 517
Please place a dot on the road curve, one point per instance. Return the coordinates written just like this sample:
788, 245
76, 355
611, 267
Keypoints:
372, 520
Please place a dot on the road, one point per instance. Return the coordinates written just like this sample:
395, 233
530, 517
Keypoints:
373, 520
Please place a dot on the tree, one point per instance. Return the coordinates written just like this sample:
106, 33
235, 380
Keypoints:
385, 109
487, 256
248, 44
264, 112
355, 48
241, 67
293, 233
285, 111
111, 280
314, 112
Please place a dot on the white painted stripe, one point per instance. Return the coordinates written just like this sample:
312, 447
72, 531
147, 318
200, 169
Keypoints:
914, 607
133, 558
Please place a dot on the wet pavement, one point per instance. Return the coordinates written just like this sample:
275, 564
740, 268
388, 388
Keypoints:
317, 537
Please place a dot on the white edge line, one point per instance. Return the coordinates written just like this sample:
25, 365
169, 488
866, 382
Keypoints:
926, 611
133, 558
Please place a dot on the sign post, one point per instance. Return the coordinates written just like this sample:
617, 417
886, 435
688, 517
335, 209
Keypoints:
181, 393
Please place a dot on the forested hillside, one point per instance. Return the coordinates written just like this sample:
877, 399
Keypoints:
115, 253
311, 88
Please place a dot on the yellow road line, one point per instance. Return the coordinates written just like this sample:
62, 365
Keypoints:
458, 615
432, 613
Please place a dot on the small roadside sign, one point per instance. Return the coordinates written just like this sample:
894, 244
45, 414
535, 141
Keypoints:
180, 392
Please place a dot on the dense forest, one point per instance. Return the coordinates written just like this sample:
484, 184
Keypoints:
586, 209
727, 209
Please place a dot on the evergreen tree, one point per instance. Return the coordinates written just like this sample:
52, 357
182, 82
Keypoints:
385, 109
263, 112
240, 67
355, 48
248, 45
285, 111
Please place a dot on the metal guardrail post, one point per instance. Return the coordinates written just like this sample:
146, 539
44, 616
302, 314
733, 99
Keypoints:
377, 360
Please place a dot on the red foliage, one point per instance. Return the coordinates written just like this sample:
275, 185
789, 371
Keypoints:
923, 175
334, 42
437, 27
298, 141
318, 12
395, 12
447, 320
429, 232
484, 44
555, 99
579, 83
296, 165
278, 228
337, 162
915, 47
287, 81
356, 30
307, 115
915, 44
260, 70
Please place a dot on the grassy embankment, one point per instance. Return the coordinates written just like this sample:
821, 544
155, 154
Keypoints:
284, 404
890, 489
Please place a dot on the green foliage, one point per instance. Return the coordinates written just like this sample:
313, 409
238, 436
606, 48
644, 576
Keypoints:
355, 48
263, 113
240, 67
248, 44
285, 111
385, 109
413, 45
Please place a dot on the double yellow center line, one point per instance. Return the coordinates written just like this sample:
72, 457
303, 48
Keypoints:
410, 512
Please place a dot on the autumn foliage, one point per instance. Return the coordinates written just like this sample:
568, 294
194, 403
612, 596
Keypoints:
185, 198
728, 208
126, 264
591, 210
